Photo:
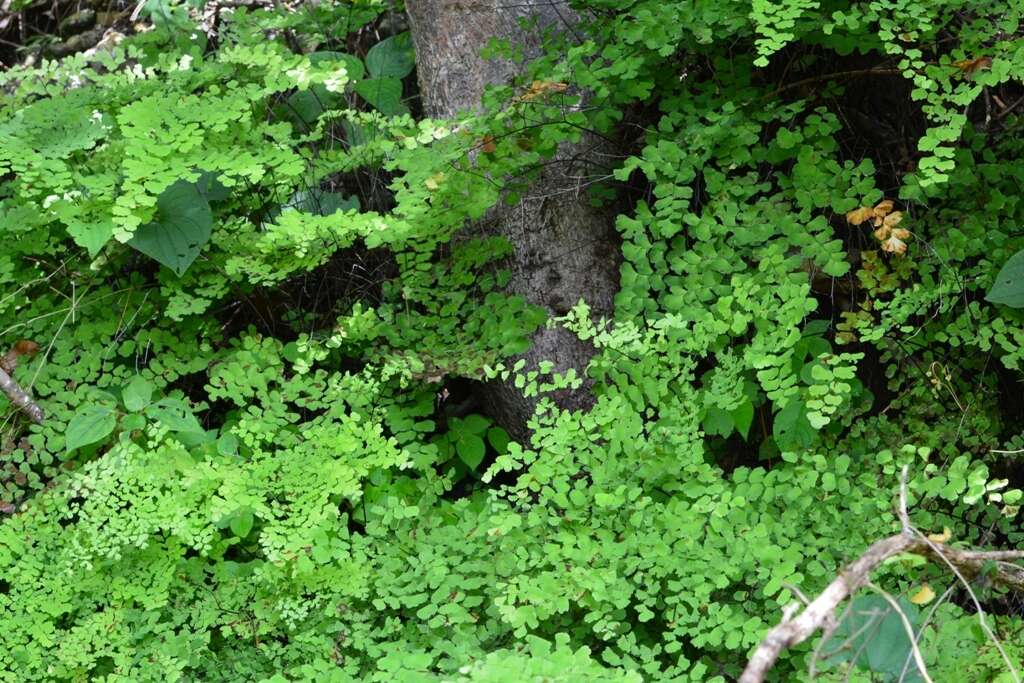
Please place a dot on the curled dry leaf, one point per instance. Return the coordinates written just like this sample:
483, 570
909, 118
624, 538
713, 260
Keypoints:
881, 212
858, 216
885, 220
882, 208
540, 88
969, 67
894, 245
892, 219
25, 348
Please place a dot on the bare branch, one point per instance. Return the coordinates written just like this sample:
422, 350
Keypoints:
18, 397
903, 514
796, 630
793, 630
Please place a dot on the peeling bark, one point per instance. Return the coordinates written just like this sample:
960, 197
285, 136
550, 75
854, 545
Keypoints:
564, 249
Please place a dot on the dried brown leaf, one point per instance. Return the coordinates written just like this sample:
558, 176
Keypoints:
858, 216
883, 207
894, 245
969, 67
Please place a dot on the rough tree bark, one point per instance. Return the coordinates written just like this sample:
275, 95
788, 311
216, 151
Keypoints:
565, 249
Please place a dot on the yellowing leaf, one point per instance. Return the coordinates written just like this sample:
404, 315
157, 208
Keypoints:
946, 534
893, 218
883, 207
923, 596
434, 181
894, 245
858, 216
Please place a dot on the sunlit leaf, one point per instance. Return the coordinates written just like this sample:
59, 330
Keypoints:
923, 595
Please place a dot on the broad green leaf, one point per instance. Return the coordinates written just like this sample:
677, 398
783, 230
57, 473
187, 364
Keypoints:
133, 422
175, 415
718, 421
322, 203
383, 94
356, 134
89, 425
474, 424
444, 446
91, 236
1008, 288
210, 186
227, 444
241, 523
499, 439
874, 632
308, 105
183, 226
470, 450
743, 417
138, 394
392, 57
791, 429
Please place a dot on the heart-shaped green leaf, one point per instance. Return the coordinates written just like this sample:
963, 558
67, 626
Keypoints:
241, 524
470, 449
88, 426
1009, 285
183, 226
393, 57
383, 94
175, 415
792, 430
137, 394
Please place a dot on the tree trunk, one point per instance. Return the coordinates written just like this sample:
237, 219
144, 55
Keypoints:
564, 249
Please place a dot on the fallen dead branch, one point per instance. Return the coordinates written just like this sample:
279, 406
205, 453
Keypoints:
10, 386
798, 625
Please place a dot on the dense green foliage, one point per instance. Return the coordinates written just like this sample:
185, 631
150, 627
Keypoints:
250, 277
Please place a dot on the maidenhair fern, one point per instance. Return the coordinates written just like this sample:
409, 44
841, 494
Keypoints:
261, 283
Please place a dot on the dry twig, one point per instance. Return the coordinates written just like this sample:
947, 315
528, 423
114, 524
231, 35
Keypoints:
10, 386
820, 612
